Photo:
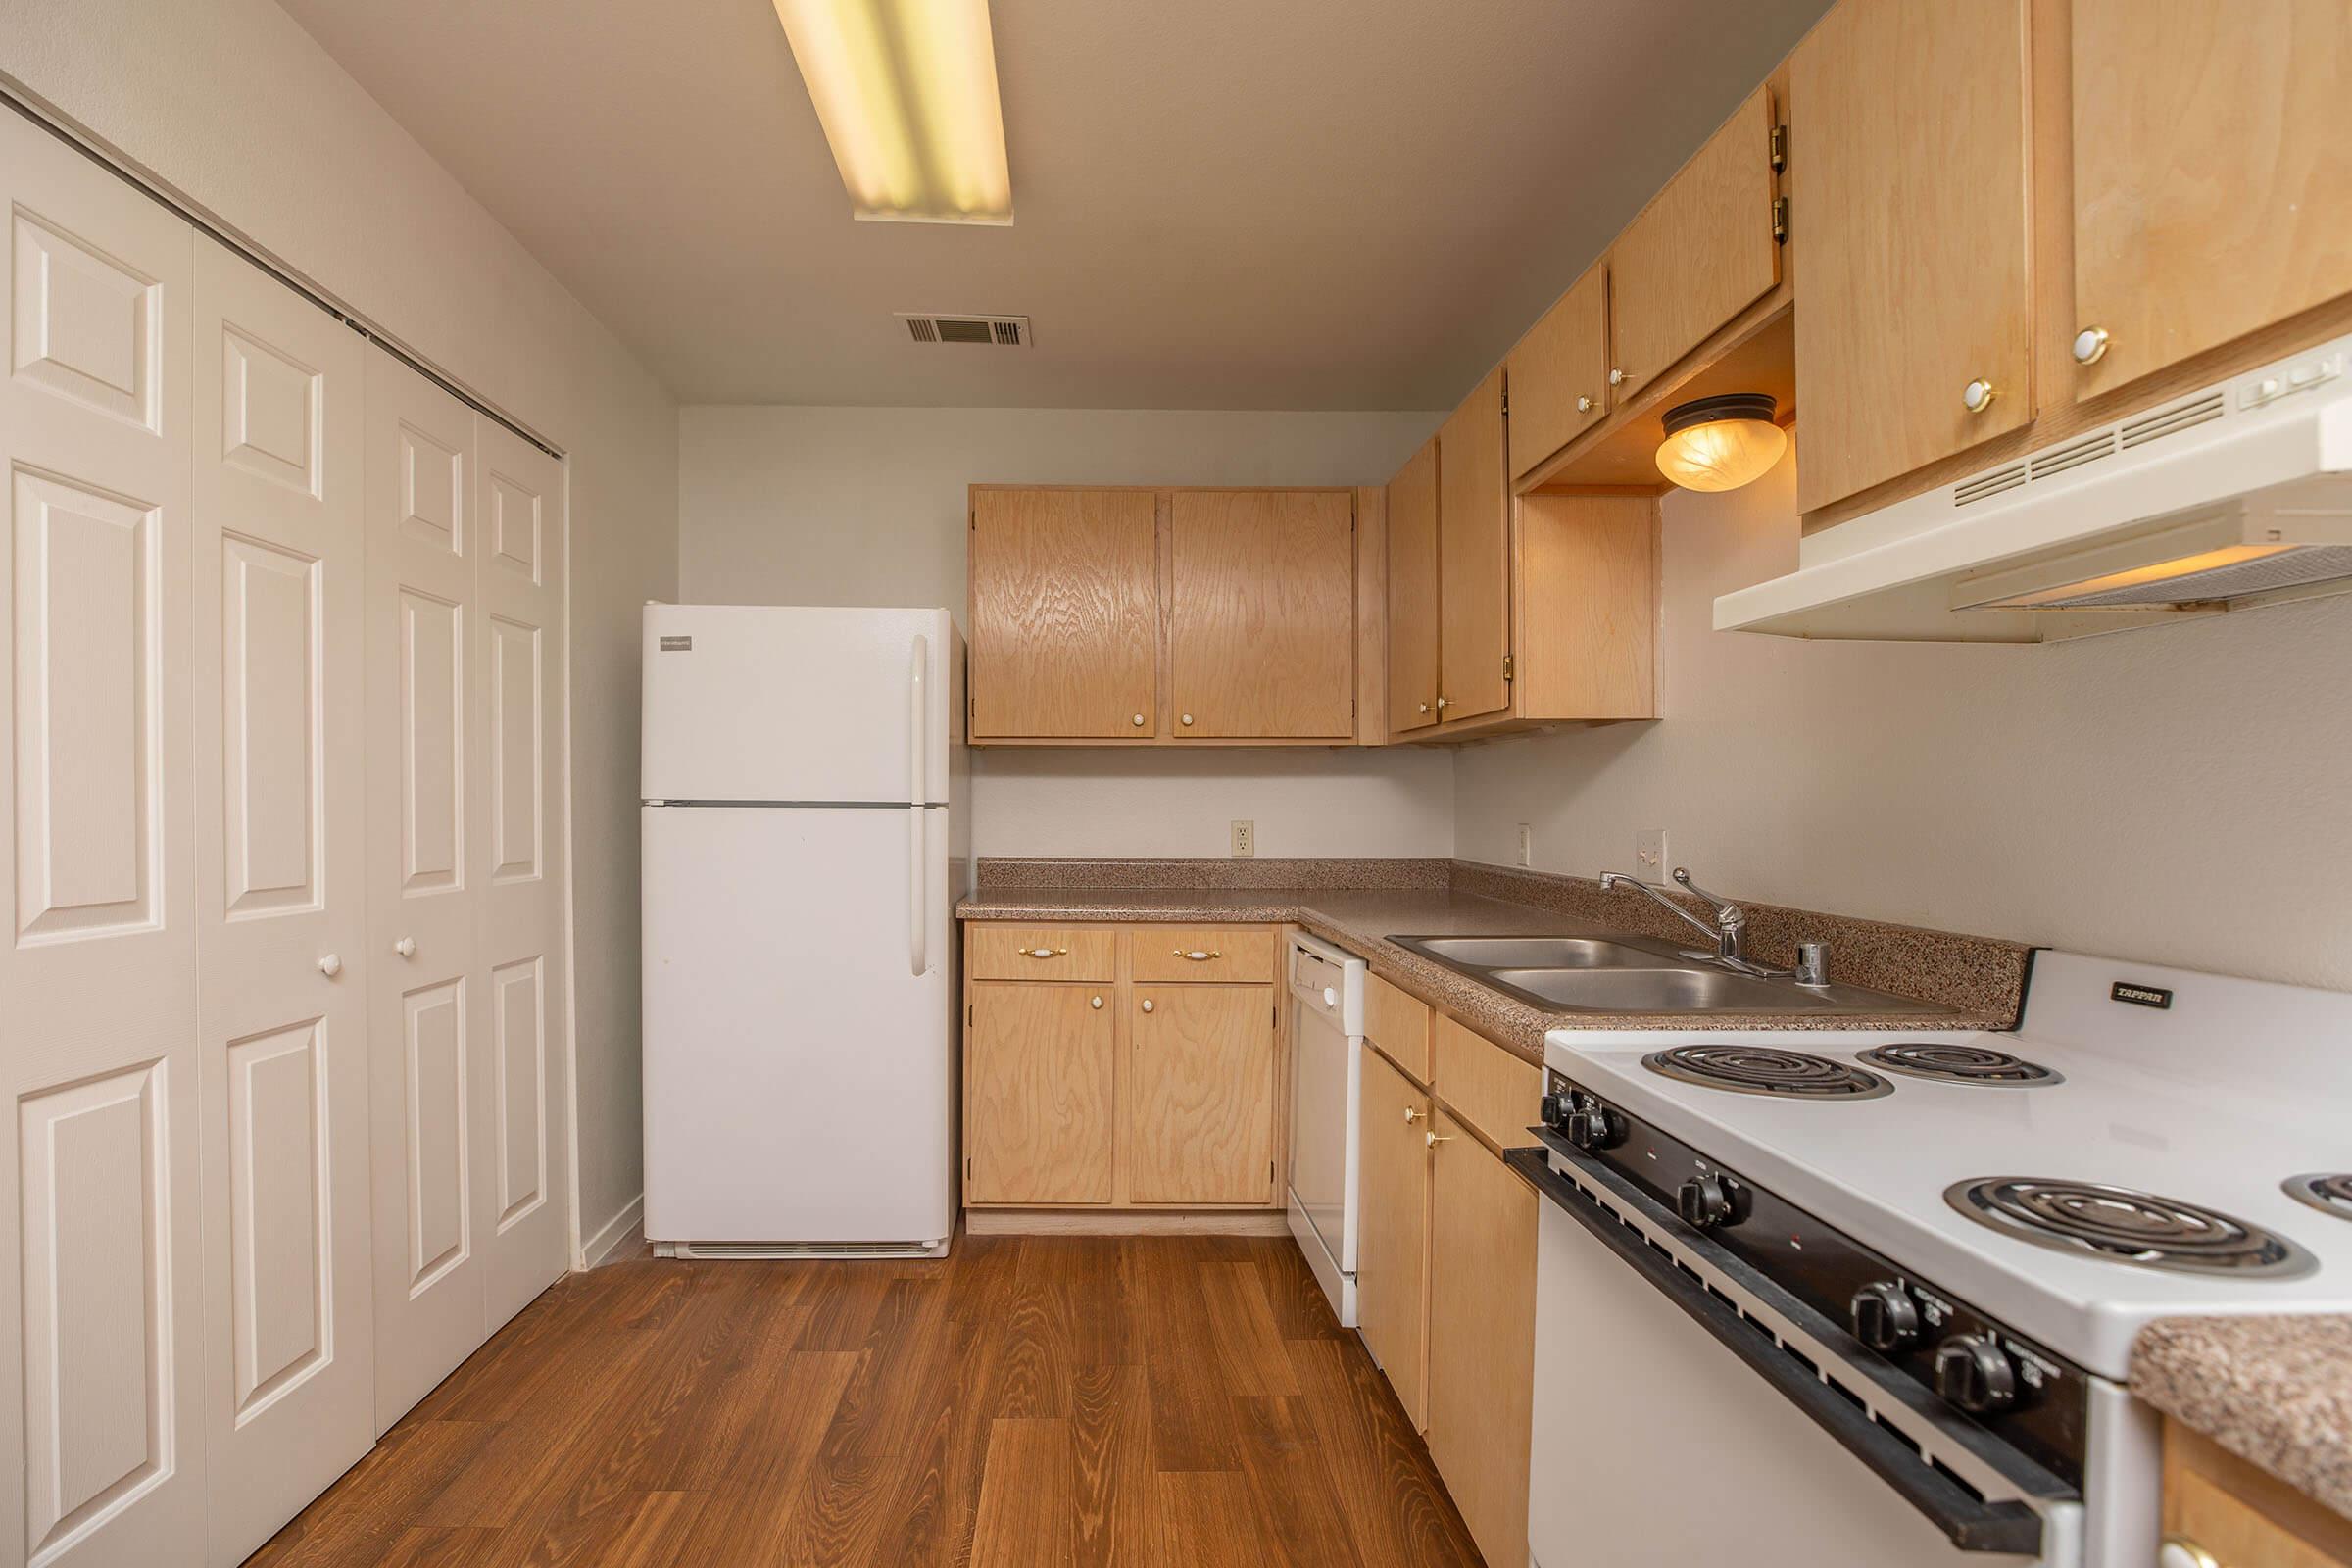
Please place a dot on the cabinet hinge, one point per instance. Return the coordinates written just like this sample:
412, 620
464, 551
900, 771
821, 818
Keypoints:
968, 1167
1506, 666
1779, 221
968, 1015
1780, 148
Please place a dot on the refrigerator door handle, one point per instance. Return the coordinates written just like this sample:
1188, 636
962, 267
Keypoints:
918, 881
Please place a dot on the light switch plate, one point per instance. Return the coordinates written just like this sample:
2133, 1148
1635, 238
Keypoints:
1649, 854
1244, 839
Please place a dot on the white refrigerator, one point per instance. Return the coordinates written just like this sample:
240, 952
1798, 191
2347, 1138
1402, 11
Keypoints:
805, 842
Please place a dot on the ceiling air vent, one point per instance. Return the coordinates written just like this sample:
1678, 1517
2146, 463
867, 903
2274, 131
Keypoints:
1004, 331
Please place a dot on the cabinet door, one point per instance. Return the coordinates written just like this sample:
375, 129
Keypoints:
1699, 254
1261, 615
1559, 373
1200, 1095
1908, 175
1413, 592
1064, 615
1392, 1244
1474, 557
1482, 1338
1037, 1098
2213, 173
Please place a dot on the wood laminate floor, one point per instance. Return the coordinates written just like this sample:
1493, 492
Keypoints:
1029, 1401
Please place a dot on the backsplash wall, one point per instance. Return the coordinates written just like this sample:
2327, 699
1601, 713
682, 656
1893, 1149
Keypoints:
858, 505
2175, 795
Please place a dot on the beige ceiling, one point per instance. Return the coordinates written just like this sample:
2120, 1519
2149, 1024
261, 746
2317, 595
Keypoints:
1237, 203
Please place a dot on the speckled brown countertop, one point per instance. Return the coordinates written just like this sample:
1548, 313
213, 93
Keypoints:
1979, 980
2274, 1391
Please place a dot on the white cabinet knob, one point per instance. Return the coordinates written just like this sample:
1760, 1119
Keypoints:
1137, 721
1584, 405
1331, 998
1616, 378
406, 946
1187, 718
1440, 705
2090, 345
1411, 1115
1976, 396
1425, 707
2179, 1552
1146, 1003
331, 966
1434, 1140
1095, 1002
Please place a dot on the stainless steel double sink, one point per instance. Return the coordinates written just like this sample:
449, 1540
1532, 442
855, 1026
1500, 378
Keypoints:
1632, 974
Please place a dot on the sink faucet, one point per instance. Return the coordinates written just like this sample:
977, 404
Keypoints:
1729, 932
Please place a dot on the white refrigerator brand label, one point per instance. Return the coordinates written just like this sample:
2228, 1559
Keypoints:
677, 645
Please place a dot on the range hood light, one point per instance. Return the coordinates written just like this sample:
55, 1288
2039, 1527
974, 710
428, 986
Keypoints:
906, 91
1721, 443
2253, 545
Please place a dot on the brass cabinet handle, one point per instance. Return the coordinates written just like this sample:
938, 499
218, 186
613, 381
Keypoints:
1440, 705
1137, 721
1188, 719
1977, 395
1047, 953
1096, 1003
1197, 955
1146, 1003
1584, 405
2179, 1552
1411, 1115
1616, 378
1432, 1140
2090, 345
1425, 707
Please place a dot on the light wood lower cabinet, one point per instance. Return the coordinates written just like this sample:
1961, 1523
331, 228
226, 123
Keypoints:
2240, 1516
1392, 1242
1148, 1078
1482, 1337
1037, 1105
1201, 1095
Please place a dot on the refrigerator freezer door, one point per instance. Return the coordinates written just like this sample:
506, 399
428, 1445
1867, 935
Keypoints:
799, 1079
769, 703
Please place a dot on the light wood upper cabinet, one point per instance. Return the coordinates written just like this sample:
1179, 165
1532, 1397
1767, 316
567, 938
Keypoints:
1699, 254
1559, 373
1201, 1101
1064, 615
1391, 1249
1261, 615
1474, 557
1482, 1337
1413, 523
2212, 174
1909, 202
1038, 1070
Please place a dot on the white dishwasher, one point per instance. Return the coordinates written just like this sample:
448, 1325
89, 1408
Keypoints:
1327, 1042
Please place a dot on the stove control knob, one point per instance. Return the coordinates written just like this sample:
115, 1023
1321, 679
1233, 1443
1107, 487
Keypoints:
1975, 1373
1554, 1111
1884, 1317
1593, 1127
1705, 1201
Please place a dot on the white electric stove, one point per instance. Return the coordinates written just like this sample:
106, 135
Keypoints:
1935, 1249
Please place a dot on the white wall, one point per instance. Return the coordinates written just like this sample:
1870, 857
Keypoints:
234, 104
2179, 795
850, 506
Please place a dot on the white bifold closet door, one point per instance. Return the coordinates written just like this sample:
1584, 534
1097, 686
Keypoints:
465, 534
281, 921
101, 1386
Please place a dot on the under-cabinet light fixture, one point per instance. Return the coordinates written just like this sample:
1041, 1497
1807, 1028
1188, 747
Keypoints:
1721, 443
906, 91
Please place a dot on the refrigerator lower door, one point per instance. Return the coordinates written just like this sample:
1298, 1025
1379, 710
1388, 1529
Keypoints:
799, 1028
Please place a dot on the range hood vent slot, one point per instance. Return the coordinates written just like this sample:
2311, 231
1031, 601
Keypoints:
1002, 332
2170, 421
2058, 460
1990, 484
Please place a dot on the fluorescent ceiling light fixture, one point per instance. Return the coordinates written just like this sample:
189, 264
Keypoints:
906, 91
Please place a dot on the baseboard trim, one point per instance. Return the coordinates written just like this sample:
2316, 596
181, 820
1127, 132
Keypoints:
619, 1236
1125, 1222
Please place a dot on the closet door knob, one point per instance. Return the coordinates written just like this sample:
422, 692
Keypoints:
331, 966
406, 946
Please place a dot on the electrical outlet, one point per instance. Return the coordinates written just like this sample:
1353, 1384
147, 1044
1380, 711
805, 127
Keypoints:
1649, 854
1244, 839
1527, 845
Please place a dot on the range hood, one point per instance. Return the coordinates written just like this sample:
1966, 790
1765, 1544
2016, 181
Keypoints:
2234, 496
